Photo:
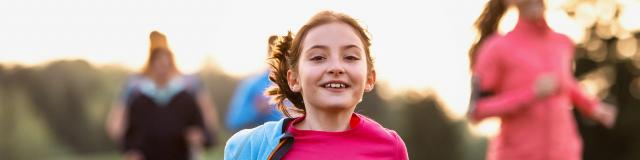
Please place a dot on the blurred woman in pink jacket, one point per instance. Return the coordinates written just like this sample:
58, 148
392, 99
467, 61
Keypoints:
525, 78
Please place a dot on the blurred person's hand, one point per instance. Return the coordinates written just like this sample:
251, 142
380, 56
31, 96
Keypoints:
546, 85
195, 138
606, 114
133, 155
115, 122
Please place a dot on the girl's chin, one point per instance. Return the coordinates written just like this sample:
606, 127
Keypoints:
337, 106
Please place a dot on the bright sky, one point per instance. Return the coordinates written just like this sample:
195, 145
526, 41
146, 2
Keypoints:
417, 44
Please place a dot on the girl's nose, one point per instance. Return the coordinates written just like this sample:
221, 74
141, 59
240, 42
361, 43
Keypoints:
336, 68
336, 71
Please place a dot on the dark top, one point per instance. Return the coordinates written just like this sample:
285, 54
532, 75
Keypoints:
158, 131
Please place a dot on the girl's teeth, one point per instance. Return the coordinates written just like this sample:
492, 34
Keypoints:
335, 85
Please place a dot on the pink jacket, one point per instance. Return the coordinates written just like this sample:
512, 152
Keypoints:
532, 128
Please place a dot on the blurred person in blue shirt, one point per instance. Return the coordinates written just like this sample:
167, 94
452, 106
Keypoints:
249, 107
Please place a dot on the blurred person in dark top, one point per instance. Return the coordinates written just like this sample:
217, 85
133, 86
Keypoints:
162, 113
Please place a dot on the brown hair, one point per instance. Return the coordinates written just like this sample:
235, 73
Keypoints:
487, 24
158, 46
286, 51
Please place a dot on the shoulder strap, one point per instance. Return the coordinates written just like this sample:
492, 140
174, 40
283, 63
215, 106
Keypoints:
285, 142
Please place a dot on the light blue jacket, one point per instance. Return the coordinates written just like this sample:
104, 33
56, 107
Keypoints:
256, 143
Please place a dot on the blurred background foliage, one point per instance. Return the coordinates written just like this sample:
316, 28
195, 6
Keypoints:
58, 110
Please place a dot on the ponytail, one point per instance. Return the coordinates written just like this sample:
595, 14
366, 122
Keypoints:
487, 24
280, 65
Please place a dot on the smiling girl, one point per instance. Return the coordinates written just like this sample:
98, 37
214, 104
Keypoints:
323, 71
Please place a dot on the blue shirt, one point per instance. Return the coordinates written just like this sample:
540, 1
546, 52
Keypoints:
243, 111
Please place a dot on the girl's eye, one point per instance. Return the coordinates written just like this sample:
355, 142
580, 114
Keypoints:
353, 58
317, 58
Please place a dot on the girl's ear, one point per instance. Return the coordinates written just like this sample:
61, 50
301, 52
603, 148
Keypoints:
292, 79
371, 81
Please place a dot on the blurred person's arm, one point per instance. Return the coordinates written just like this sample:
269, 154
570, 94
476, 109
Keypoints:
489, 104
204, 123
116, 119
133, 155
209, 113
115, 123
500, 104
591, 107
200, 131
488, 74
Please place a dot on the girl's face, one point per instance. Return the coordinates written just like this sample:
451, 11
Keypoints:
533, 9
161, 65
332, 69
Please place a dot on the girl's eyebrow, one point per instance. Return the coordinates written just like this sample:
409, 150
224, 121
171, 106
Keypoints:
350, 46
324, 47
318, 47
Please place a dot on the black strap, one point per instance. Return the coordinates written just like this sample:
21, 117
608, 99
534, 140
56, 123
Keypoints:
285, 124
285, 144
476, 93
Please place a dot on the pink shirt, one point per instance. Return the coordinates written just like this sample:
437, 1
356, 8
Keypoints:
365, 140
532, 128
